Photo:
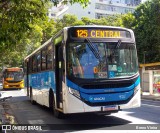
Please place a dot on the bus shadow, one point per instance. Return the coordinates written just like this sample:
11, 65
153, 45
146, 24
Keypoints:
41, 115
83, 121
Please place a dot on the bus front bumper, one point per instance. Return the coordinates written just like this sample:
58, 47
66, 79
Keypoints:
74, 105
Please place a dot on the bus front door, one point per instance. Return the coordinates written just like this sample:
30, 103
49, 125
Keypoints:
59, 75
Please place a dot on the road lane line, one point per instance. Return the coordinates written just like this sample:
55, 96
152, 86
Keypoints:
151, 105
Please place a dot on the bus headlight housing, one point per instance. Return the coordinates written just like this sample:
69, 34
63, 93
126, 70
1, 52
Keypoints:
136, 89
74, 92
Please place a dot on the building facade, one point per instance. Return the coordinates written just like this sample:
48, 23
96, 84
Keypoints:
95, 9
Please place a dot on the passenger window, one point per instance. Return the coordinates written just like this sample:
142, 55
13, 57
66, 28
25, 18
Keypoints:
30, 65
34, 64
49, 57
43, 59
39, 61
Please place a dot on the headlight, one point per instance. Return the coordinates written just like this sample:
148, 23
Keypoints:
74, 92
136, 89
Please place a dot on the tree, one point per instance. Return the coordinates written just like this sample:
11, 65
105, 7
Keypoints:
82, 2
145, 23
113, 20
16, 17
67, 20
24, 25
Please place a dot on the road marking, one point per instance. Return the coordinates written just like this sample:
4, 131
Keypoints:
150, 100
36, 122
151, 105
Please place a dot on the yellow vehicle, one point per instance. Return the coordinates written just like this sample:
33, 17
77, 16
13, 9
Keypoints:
13, 78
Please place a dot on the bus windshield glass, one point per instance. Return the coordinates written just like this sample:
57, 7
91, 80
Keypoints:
101, 60
13, 75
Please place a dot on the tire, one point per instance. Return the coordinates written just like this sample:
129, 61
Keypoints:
31, 97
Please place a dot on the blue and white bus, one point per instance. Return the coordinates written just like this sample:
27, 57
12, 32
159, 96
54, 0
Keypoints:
85, 69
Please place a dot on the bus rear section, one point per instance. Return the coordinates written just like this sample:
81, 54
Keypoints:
13, 78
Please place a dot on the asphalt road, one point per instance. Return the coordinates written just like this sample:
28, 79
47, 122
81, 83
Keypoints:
24, 112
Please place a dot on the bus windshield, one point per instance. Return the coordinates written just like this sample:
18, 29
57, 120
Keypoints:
13, 75
101, 60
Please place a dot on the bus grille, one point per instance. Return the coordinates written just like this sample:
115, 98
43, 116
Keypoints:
14, 81
11, 86
100, 86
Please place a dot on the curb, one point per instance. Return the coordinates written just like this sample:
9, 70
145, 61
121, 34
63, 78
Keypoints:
2, 116
6, 115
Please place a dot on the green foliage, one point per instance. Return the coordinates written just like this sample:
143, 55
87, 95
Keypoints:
113, 20
66, 21
147, 29
24, 26
128, 20
84, 3
72, 20
17, 18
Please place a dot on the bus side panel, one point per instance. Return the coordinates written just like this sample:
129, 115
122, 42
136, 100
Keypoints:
41, 83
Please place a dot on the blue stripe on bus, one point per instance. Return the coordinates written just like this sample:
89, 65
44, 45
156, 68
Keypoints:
107, 97
43, 80
104, 90
91, 96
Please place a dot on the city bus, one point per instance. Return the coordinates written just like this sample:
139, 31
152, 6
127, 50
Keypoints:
85, 69
13, 78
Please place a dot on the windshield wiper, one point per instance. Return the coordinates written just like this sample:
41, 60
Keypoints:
118, 44
93, 49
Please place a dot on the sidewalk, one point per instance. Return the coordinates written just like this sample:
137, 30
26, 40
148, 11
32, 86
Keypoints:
148, 96
6, 115
2, 112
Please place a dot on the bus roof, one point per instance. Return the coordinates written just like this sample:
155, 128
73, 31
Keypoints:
82, 26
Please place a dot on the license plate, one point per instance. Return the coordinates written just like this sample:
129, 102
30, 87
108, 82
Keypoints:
110, 108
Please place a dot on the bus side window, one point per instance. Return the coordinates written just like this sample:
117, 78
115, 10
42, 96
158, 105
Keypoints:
39, 61
34, 63
30, 65
43, 59
49, 57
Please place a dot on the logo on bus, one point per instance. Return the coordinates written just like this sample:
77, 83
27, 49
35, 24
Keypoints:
96, 98
99, 98
122, 96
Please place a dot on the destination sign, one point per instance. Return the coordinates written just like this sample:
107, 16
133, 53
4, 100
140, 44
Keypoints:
100, 33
